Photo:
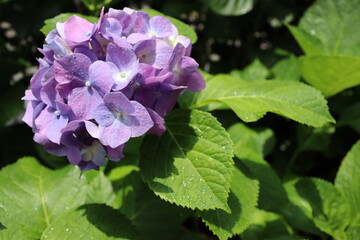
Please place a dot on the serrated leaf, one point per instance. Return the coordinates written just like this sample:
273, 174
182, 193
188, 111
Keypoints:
272, 194
248, 147
153, 217
287, 69
351, 117
330, 210
50, 24
183, 28
255, 71
242, 202
230, 7
331, 74
264, 225
32, 196
298, 211
252, 100
191, 163
93, 221
99, 190
348, 181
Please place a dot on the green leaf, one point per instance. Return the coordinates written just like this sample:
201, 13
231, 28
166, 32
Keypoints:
330, 211
32, 196
298, 211
191, 164
264, 225
153, 217
230, 7
287, 69
308, 43
242, 202
13, 234
348, 181
331, 74
353, 233
50, 24
183, 28
332, 23
93, 221
248, 147
255, 71
252, 100
351, 117
99, 190
248, 141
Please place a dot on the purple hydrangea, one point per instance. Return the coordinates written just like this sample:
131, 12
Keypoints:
98, 85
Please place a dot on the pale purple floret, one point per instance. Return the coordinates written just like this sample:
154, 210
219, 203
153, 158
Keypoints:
124, 65
156, 27
119, 119
52, 120
154, 52
76, 29
83, 83
98, 85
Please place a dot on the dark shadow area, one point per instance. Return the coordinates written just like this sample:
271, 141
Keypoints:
109, 221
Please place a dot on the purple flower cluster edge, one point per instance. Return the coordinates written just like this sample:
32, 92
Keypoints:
98, 85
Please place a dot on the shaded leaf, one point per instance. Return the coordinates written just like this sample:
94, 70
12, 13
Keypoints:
248, 147
32, 196
298, 211
242, 202
11, 106
351, 117
153, 217
190, 164
264, 225
93, 221
348, 181
330, 211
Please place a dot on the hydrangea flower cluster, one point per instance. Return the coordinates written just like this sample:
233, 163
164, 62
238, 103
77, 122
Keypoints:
98, 85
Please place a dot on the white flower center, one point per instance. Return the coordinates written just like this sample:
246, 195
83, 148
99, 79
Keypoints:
87, 83
57, 113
